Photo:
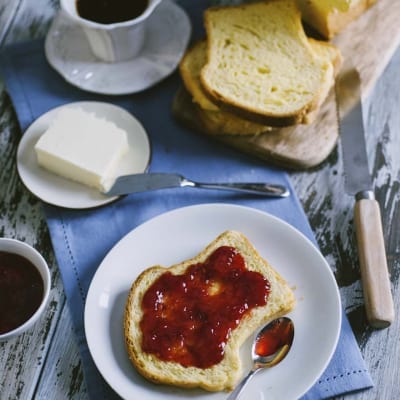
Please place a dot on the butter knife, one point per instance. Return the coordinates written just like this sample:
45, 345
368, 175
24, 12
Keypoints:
152, 181
367, 217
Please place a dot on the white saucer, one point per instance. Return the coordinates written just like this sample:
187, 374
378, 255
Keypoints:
68, 52
62, 192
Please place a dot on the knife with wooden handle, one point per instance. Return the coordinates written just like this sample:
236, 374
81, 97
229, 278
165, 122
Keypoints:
367, 218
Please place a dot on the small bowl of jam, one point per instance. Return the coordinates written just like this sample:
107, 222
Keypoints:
24, 287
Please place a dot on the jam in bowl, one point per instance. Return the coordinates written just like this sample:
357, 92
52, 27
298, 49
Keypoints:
24, 287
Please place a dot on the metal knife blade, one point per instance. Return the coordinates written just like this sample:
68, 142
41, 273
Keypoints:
355, 160
371, 247
136, 183
152, 181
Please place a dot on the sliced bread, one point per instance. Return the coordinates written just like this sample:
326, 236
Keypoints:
224, 374
215, 120
218, 121
261, 64
325, 51
329, 17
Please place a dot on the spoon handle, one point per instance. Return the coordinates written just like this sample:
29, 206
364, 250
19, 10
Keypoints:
238, 389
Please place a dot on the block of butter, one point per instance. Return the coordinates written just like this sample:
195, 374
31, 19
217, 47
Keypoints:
82, 147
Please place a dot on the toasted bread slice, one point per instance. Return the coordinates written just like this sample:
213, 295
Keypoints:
224, 374
261, 64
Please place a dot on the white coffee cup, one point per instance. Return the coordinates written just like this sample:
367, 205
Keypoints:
119, 41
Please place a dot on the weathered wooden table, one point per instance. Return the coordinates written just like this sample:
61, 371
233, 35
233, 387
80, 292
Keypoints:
44, 363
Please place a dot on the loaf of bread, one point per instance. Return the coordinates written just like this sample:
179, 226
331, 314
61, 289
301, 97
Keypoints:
328, 17
260, 63
218, 121
224, 374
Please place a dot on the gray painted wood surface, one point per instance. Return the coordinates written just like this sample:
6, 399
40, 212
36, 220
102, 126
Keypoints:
44, 363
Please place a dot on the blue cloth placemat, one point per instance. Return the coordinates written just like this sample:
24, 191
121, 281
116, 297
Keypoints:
81, 238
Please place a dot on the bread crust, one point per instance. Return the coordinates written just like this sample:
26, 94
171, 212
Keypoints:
224, 375
261, 118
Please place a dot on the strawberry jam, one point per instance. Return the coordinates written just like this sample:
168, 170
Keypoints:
21, 290
279, 334
188, 318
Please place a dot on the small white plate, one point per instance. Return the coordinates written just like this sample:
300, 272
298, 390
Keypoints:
180, 234
167, 36
62, 192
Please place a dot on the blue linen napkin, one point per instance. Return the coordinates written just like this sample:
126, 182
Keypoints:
81, 238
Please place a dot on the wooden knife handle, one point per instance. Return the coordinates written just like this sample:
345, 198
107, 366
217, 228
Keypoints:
374, 271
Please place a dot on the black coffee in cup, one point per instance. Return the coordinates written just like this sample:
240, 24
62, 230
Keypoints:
110, 11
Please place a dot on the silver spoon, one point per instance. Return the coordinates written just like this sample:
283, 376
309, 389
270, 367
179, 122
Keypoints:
270, 347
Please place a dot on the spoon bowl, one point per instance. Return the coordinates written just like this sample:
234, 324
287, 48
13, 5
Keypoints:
270, 347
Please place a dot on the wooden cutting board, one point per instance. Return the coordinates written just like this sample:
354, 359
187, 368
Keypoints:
369, 42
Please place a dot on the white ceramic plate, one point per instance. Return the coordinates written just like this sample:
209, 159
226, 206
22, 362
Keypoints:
68, 52
62, 192
177, 235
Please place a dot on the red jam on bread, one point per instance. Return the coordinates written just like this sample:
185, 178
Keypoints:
188, 318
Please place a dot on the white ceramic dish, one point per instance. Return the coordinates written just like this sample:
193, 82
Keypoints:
182, 233
22, 249
62, 192
167, 36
